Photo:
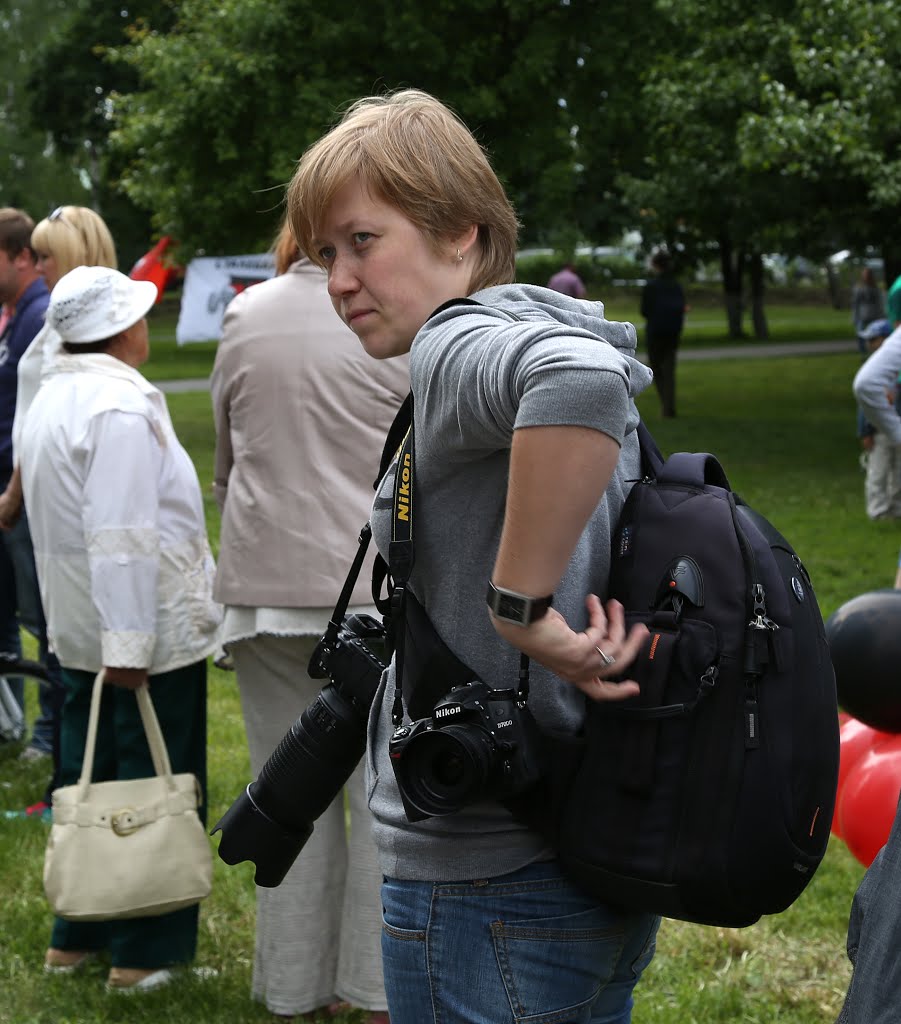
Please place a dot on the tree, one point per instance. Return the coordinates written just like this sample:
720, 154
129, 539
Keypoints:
69, 88
694, 186
229, 100
831, 122
33, 175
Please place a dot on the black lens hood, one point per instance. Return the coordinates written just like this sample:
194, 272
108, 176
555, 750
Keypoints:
249, 834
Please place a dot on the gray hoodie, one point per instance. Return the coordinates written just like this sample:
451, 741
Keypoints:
476, 376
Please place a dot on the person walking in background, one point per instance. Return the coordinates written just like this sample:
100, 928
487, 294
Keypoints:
24, 296
875, 388
301, 415
881, 461
567, 282
893, 302
867, 305
71, 236
126, 579
663, 307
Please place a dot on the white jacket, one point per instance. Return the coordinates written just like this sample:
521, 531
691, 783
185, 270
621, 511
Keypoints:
117, 523
876, 381
38, 364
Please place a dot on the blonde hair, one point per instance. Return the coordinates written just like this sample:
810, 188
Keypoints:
75, 236
285, 248
411, 151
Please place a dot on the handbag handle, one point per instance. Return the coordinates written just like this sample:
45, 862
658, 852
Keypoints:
158, 751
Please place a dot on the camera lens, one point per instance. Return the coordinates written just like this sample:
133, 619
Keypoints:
449, 769
314, 760
443, 770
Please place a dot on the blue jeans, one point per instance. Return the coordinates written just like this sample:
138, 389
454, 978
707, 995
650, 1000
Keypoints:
525, 947
10, 641
45, 733
874, 937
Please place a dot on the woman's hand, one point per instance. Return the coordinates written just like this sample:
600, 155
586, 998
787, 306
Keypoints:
10, 510
127, 678
589, 659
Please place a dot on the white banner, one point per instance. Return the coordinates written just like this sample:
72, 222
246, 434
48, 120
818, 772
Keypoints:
211, 282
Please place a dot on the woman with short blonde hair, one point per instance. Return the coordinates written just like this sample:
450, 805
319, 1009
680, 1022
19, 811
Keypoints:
418, 156
525, 446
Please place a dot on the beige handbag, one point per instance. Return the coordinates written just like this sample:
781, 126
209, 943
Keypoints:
129, 848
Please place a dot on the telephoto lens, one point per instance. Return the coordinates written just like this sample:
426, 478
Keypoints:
273, 818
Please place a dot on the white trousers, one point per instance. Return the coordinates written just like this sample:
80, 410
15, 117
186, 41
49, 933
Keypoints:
318, 934
882, 486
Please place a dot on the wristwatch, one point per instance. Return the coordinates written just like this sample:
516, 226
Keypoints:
509, 606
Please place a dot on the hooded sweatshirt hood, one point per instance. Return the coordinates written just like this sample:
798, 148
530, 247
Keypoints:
532, 302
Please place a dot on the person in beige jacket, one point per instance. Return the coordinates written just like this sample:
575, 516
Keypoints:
301, 417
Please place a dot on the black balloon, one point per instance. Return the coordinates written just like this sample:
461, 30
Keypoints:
865, 644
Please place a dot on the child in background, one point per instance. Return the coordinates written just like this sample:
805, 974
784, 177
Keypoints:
881, 455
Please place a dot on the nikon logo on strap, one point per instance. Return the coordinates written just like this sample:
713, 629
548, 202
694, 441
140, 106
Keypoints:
403, 490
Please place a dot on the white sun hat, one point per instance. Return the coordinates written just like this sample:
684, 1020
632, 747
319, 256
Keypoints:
95, 303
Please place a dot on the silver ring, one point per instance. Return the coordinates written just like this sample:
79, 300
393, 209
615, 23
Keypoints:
606, 658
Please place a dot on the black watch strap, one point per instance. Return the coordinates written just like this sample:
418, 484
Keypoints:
520, 609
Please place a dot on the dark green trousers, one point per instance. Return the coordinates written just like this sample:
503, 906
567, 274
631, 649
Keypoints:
179, 699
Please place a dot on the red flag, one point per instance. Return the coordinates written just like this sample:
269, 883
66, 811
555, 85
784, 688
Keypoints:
150, 267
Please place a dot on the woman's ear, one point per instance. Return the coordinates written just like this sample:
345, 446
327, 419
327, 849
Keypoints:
467, 240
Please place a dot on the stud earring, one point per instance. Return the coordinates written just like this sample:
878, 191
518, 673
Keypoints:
459, 256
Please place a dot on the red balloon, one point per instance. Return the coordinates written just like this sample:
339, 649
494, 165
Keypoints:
855, 740
869, 799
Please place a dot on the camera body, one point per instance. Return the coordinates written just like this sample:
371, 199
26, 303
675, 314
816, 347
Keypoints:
478, 742
355, 660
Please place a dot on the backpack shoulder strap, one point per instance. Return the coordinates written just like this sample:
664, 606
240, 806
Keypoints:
696, 469
651, 457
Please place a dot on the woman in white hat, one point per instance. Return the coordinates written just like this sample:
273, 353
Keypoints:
126, 577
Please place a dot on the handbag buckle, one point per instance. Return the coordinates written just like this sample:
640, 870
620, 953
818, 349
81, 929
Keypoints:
124, 822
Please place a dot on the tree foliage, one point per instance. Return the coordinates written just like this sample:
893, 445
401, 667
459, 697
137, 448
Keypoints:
231, 98
695, 186
33, 175
831, 123
69, 89
747, 130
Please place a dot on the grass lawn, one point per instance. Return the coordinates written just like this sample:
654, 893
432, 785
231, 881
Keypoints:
784, 431
789, 318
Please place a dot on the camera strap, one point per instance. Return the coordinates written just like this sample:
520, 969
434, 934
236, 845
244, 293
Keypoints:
401, 559
396, 433
331, 631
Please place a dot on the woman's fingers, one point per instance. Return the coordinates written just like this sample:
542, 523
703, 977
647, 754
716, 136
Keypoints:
612, 650
602, 689
590, 659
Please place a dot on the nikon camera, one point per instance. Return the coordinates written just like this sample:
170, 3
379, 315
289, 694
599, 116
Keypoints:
273, 818
479, 743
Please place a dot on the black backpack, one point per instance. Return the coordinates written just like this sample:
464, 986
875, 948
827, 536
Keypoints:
709, 797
